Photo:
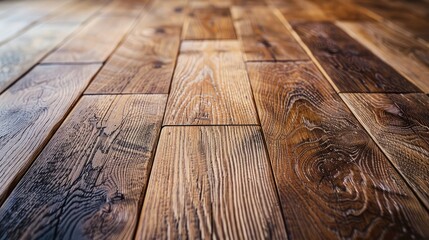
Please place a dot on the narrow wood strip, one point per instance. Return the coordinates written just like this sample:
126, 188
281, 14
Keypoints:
106, 32
211, 182
21, 54
31, 110
333, 181
263, 36
350, 66
210, 86
88, 181
206, 23
399, 124
408, 56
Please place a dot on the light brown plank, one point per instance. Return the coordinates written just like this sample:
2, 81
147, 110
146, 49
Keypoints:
94, 42
344, 10
210, 86
31, 110
406, 55
211, 182
88, 181
300, 10
263, 35
130, 8
333, 181
21, 54
207, 23
399, 124
76, 12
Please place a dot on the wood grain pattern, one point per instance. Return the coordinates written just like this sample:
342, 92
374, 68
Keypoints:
154, 15
343, 10
130, 8
333, 181
210, 86
106, 32
76, 12
263, 35
301, 10
21, 54
400, 125
406, 55
31, 110
88, 181
211, 183
206, 23
350, 66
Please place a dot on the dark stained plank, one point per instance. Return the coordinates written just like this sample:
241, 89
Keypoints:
211, 183
206, 23
94, 42
31, 110
88, 181
350, 66
263, 35
210, 86
21, 54
333, 181
144, 63
400, 126
405, 54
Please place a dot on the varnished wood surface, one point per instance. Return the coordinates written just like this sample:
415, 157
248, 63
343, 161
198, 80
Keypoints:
204, 185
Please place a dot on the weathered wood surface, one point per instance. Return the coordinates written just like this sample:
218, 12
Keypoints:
350, 66
211, 182
21, 54
210, 86
333, 181
76, 12
30, 112
406, 55
104, 33
88, 181
208, 23
400, 126
263, 35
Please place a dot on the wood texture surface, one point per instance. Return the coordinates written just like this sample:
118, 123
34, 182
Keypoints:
399, 124
263, 35
76, 12
350, 66
333, 181
31, 110
106, 32
211, 182
343, 10
406, 55
208, 23
301, 10
210, 86
88, 181
21, 54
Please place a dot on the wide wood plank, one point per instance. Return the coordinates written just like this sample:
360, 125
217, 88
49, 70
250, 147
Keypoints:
263, 35
399, 124
21, 54
31, 110
210, 86
344, 10
405, 54
350, 66
301, 10
205, 23
76, 12
94, 42
211, 182
144, 63
333, 181
88, 181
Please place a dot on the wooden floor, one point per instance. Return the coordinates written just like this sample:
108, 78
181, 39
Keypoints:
223, 119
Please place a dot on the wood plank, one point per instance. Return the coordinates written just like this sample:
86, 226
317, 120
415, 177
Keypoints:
94, 42
31, 110
344, 10
406, 55
263, 35
399, 124
210, 86
21, 54
154, 16
76, 12
206, 23
350, 66
211, 182
144, 63
88, 181
131, 8
301, 10
330, 174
